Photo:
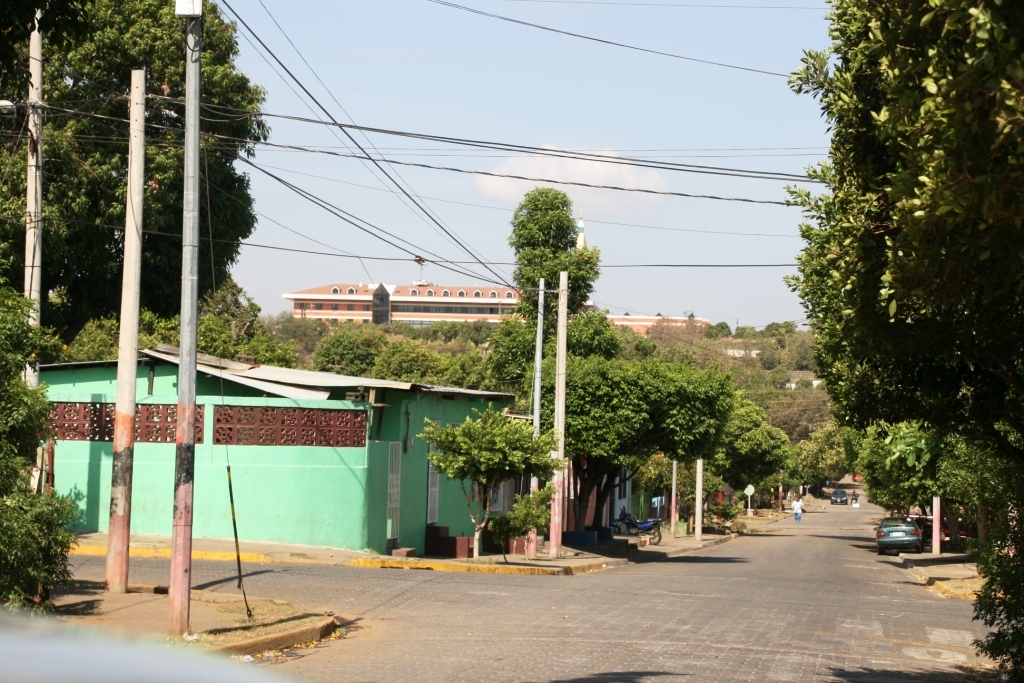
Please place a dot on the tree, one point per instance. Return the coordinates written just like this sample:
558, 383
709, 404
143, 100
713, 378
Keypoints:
752, 450
618, 413
61, 21
544, 240
34, 540
229, 326
829, 454
529, 512
486, 452
718, 331
912, 270
87, 161
302, 333
410, 361
893, 480
350, 349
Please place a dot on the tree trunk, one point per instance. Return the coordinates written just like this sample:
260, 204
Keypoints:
477, 534
982, 521
603, 491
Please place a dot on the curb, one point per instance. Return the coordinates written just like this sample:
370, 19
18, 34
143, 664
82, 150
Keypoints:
657, 557
165, 553
443, 566
278, 641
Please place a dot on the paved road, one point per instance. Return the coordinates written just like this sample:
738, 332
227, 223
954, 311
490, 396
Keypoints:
804, 603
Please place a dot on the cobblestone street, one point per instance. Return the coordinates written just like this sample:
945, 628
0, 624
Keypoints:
801, 603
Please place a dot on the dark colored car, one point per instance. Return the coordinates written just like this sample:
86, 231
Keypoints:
839, 497
896, 533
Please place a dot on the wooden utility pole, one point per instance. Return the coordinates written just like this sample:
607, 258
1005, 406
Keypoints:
34, 187
119, 530
557, 511
698, 503
179, 592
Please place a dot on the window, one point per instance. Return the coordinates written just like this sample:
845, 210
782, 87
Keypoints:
462, 292
351, 307
302, 306
477, 294
334, 307
335, 290
414, 292
446, 293
366, 307
351, 290
494, 295
318, 307
430, 292
508, 295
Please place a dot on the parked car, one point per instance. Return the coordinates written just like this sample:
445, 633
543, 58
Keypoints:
897, 533
839, 497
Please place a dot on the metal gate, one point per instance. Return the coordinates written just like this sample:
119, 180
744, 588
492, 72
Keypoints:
433, 481
394, 488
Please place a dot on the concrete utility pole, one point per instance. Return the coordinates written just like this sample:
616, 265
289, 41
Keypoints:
936, 525
179, 591
128, 346
559, 477
538, 356
34, 185
675, 507
698, 507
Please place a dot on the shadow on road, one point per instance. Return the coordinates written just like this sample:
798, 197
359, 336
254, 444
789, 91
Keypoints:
618, 677
230, 579
701, 559
960, 674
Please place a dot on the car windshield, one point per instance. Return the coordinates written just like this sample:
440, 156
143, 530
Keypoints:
897, 521
839, 494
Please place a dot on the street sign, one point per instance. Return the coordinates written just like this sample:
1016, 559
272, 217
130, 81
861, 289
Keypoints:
749, 490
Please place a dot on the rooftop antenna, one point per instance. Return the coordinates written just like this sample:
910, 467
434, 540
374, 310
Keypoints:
421, 262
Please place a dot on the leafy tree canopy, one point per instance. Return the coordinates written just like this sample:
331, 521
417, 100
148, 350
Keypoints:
485, 452
544, 240
61, 21
752, 450
912, 272
351, 349
86, 161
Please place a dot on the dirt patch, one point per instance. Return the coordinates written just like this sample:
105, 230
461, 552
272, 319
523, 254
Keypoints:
962, 589
268, 616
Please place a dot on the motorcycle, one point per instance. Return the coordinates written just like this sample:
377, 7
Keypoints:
632, 526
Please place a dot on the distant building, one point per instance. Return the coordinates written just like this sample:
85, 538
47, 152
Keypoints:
797, 375
419, 304
423, 303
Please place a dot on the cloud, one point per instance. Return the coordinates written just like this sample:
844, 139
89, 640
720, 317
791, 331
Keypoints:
592, 201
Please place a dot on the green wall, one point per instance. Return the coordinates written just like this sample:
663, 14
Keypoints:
288, 494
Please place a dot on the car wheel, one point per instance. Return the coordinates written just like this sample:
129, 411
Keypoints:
920, 548
881, 551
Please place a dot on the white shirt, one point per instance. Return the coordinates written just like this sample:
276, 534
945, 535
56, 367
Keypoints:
798, 507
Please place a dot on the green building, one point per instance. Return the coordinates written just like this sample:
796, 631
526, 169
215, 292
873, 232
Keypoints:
316, 458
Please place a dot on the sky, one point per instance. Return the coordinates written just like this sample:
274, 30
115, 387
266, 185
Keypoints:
422, 67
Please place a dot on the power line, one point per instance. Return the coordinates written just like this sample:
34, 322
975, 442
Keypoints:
551, 152
526, 178
672, 4
601, 40
508, 210
356, 143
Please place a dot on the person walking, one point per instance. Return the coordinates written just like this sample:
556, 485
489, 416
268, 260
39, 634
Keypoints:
798, 509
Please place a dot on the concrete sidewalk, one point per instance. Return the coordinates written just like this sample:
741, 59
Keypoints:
573, 560
930, 569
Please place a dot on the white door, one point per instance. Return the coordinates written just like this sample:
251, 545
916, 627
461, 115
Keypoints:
394, 487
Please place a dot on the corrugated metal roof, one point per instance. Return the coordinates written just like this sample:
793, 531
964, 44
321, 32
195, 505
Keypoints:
238, 378
271, 376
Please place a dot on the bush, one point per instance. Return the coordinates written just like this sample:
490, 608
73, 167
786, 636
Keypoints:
34, 547
529, 512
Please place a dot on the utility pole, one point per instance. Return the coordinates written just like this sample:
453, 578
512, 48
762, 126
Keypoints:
119, 534
538, 356
34, 185
936, 525
179, 591
675, 507
559, 477
698, 508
